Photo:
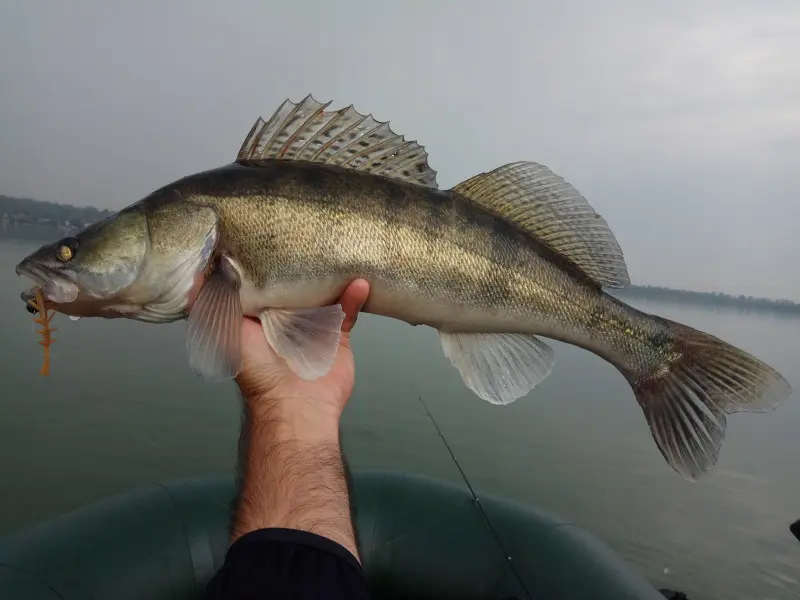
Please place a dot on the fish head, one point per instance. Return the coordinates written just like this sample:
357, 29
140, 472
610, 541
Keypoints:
141, 263
82, 272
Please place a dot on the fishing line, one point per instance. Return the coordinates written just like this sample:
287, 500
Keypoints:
477, 501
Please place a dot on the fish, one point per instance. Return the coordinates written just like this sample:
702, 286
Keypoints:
317, 198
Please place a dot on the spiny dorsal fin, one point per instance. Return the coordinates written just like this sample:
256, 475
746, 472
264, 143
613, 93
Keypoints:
548, 207
344, 137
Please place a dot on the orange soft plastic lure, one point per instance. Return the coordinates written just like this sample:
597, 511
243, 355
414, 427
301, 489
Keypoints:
46, 331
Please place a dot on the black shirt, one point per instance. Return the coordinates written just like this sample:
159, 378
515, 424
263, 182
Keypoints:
277, 564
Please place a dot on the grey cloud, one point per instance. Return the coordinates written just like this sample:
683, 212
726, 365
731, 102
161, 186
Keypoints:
677, 121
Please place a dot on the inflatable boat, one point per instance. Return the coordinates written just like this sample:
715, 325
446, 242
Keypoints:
419, 538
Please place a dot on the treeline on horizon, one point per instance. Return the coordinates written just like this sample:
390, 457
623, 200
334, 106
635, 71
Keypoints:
29, 212
716, 298
35, 219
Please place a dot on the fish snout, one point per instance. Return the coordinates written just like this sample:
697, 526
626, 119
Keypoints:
26, 269
58, 287
38, 272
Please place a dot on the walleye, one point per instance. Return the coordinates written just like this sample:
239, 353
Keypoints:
317, 198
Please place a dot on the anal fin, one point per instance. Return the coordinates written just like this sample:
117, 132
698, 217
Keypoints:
498, 367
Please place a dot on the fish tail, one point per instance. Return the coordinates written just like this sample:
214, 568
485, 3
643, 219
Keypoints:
686, 399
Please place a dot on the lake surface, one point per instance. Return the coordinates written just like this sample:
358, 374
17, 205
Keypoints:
121, 408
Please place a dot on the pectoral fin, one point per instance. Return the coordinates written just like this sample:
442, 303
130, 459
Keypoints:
498, 367
307, 339
214, 329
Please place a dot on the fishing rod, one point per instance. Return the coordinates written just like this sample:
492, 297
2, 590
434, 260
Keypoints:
477, 503
667, 593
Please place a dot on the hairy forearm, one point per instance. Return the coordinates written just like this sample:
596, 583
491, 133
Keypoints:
292, 474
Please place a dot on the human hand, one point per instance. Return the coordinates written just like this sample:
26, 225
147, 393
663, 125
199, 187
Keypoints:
265, 379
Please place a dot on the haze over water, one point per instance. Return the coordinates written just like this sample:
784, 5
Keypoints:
122, 409
678, 121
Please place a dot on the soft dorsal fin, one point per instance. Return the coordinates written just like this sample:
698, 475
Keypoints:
306, 131
548, 207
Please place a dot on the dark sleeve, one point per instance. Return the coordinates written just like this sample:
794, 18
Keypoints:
273, 564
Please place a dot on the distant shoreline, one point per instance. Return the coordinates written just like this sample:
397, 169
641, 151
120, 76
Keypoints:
742, 302
25, 219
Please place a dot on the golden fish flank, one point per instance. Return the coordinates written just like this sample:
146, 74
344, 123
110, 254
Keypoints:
318, 197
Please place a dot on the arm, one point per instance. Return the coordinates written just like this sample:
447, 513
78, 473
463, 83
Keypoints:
292, 534
292, 472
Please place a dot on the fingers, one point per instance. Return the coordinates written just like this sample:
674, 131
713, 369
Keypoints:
353, 299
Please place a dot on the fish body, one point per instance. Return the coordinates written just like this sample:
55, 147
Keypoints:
318, 198
298, 233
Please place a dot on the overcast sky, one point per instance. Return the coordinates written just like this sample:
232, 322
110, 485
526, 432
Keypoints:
679, 121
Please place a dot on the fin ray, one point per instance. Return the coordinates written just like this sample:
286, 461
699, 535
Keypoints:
498, 367
546, 206
306, 131
307, 339
214, 329
686, 405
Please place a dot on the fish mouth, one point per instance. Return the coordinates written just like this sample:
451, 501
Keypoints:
35, 272
55, 287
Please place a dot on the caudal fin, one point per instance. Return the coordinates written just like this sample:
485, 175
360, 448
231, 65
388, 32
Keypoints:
686, 404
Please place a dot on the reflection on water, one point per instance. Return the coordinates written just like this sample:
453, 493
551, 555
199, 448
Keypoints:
121, 408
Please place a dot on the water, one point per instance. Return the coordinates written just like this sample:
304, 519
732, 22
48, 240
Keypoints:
121, 409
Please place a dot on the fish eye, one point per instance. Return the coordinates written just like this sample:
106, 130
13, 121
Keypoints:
66, 249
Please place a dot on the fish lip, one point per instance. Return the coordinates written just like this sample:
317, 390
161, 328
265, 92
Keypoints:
39, 274
26, 269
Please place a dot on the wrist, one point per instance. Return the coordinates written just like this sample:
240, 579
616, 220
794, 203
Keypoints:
296, 418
